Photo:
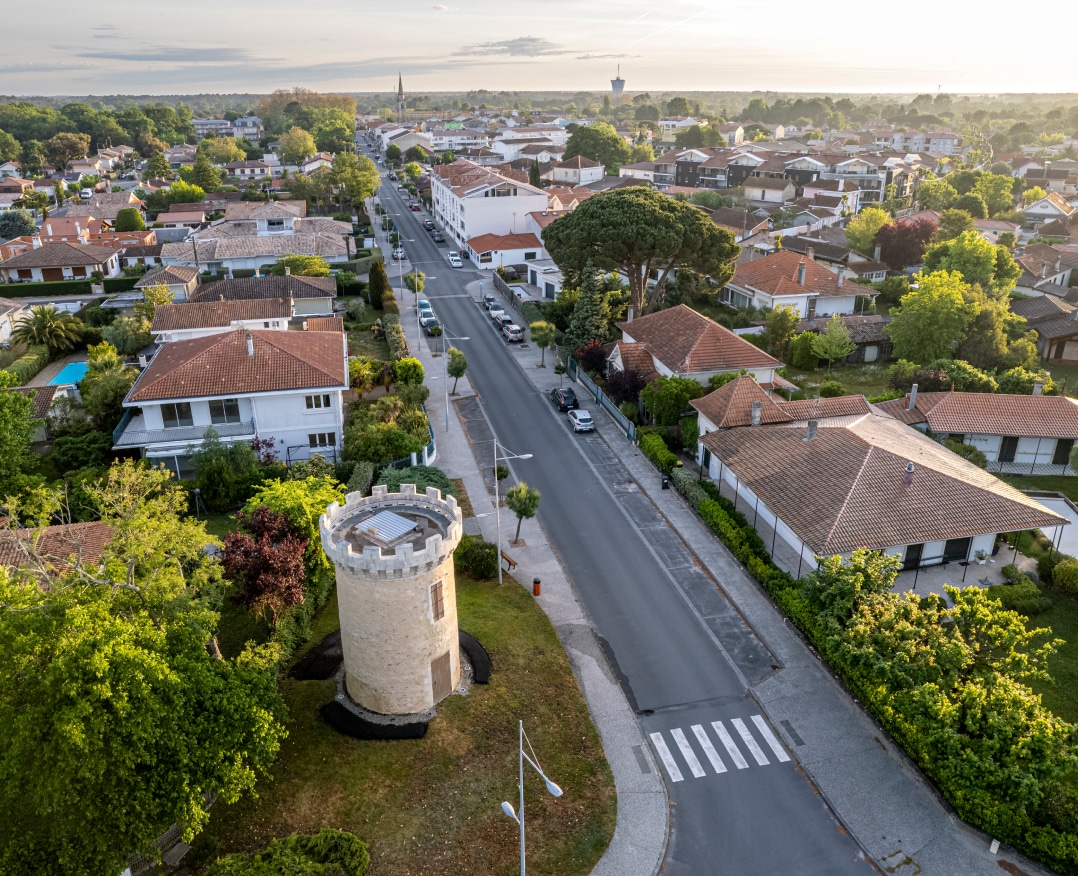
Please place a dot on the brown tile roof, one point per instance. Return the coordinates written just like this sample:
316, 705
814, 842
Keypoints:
825, 408
578, 162
325, 324
844, 489
220, 365
56, 544
42, 397
267, 287
980, 413
731, 405
217, 313
862, 329
167, 275
488, 242
55, 255
265, 210
1041, 307
686, 342
777, 273
635, 358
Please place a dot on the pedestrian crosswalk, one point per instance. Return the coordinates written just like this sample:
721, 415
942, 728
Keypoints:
730, 748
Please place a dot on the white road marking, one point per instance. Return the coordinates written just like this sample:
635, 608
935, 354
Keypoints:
770, 739
731, 748
709, 749
687, 753
750, 742
666, 757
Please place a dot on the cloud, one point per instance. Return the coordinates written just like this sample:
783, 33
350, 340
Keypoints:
441, 7
528, 47
175, 55
614, 55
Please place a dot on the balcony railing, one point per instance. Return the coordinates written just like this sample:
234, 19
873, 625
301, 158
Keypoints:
181, 435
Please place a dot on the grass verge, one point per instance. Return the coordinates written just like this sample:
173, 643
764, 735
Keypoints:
431, 806
1061, 694
466, 509
362, 342
1068, 486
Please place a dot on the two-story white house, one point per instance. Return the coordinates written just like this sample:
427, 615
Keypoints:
277, 385
799, 281
576, 171
199, 319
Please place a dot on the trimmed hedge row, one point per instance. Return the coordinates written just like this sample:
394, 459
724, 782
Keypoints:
54, 287
655, 449
398, 344
120, 284
29, 364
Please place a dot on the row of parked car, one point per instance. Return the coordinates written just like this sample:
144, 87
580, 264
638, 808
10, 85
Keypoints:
512, 332
427, 319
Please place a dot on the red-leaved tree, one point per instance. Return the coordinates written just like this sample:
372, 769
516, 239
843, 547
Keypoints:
265, 563
591, 357
903, 243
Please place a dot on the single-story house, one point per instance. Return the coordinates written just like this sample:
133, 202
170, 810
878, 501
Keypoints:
310, 296
223, 255
683, 343
868, 332
1046, 270
192, 219
42, 397
490, 251
105, 205
180, 279
546, 277
60, 261
1056, 323
576, 171
197, 319
1051, 206
1016, 433
146, 254
248, 169
769, 190
789, 278
10, 313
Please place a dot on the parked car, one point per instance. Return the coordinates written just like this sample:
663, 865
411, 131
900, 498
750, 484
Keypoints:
496, 313
428, 224
393, 177
426, 317
415, 208
454, 260
488, 302
504, 320
512, 333
564, 399
424, 305
437, 237
398, 253
433, 327
581, 421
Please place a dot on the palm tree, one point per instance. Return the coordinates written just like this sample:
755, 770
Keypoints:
48, 326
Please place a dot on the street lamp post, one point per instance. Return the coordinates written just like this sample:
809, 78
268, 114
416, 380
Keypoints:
445, 378
551, 787
497, 498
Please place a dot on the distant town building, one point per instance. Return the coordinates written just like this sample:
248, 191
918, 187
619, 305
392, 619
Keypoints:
617, 88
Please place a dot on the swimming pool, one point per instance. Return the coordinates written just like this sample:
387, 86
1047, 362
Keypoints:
72, 372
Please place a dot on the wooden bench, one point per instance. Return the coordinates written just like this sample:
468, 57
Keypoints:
509, 561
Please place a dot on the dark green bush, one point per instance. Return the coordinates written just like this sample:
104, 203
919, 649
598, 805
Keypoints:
654, 448
1022, 596
73, 452
476, 558
327, 853
1046, 565
29, 364
422, 476
1065, 576
831, 389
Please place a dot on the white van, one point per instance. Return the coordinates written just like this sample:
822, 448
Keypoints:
86, 194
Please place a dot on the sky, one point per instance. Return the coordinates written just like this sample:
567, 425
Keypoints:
556, 45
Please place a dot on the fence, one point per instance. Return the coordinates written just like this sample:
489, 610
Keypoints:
576, 373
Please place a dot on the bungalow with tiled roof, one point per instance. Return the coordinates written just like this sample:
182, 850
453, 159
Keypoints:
769, 190
42, 398
869, 333
277, 385
576, 171
1018, 434
491, 251
198, 319
1056, 323
1046, 270
1051, 206
830, 485
310, 296
798, 281
60, 261
679, 342
180, 279
106, 205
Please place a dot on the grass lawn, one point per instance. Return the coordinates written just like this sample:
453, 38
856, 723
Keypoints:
219, 524
362, 342
1064, 373
1068, 486
1061, 696
431, 806
466, 509
867, 380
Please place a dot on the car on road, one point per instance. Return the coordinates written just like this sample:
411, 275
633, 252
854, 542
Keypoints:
393, 177
424, 305
437, 237
488, 302
504, 320
428, 224
415, 208
426, 317
454, 260
564, 399
496, 313
433, 327
512, 333
398, 254
581, 421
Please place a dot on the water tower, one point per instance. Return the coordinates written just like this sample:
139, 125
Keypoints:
397, 593
617, 86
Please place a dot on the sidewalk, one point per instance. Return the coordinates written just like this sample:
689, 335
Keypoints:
876, 792
639, 841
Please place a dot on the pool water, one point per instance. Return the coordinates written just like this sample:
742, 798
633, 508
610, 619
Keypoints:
72, 372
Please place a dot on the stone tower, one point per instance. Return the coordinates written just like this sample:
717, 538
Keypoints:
397, 593
402, 104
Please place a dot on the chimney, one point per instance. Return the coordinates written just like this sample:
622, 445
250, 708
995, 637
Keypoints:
801, 274
1059, 261
810, 432
1044, 270
841, 274
757, 412
250, 345
810, 252
629, 313
913, 398
1038, 387
907, 475
876, 253
36, 241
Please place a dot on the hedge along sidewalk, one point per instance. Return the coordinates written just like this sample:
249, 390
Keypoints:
876, 791
640, 837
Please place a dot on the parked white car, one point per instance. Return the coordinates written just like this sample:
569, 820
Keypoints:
581, 421
454, 260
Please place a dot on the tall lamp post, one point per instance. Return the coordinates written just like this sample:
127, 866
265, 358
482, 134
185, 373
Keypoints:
551, 787
497, 498
445, 379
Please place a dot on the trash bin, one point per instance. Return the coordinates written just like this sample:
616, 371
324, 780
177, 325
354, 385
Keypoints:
666, 482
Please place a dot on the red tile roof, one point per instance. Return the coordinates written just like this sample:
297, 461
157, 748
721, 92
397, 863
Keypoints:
731, 405
42, 397
56, 544
777, 274
688, 342
981, 413
220, 365
636, 358
56, 255
217, 314
488, 242
844, 489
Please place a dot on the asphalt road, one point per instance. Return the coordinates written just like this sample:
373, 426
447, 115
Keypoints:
739, 803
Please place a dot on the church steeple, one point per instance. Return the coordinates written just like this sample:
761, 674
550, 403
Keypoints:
402, 105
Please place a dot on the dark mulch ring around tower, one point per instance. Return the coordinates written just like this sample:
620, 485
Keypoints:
321, 661
477, 654
349, 723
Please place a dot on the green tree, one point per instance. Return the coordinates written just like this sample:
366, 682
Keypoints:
301, 266
996, 191
50, 327
355, 176
221, 150
953, 223
393, 153
377, 284
456, 366
121, 656
416, 154
642, 152
834, 342
780, 325
16, 223
296, 146
667, 398
697, 136
861, 232
542, 334
533, 176
985, 344
646, 113
988, 265
65, 147
206, 176
840, 586
973, 204
638, 230
129, 219
9, 147
409, 371
128, 334
932, 318
302, 502
590, 320
17, 427
678, 106
152, 298
335, 135
523, 501
599, 142
181, 192
379, 442
38, 201
935, 194
412, 170
1032, 195
157, 166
